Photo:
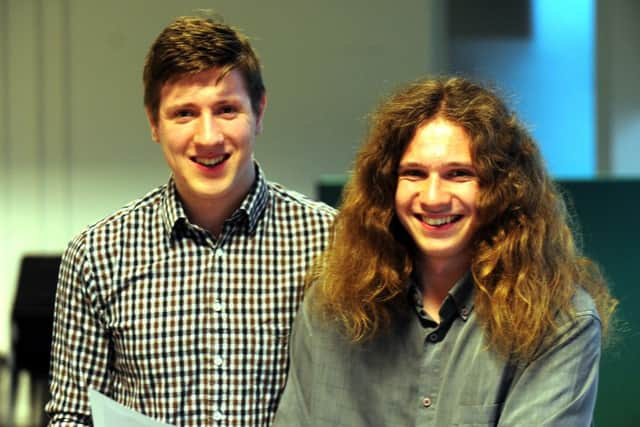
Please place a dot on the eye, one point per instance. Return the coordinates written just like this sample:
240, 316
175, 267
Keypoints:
227, 110
461, 174
411, 173
183, 113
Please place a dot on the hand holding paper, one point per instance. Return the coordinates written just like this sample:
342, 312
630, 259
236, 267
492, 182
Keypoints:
107, 412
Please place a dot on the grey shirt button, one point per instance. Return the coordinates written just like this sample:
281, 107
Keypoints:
433, 337
464, 313
426, 402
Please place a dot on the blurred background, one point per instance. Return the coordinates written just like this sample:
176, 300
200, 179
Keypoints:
75, 145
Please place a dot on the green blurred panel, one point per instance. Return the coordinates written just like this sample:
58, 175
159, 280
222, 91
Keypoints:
608, 214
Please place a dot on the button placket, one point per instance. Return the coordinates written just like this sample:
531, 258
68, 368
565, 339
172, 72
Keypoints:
218, 415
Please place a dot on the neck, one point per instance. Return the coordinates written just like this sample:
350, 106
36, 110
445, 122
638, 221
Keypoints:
436, 277
210, 212
210, 217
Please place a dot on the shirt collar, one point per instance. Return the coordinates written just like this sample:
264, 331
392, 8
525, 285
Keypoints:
462, 296
249, 212
458, 301
253, 206
172, 210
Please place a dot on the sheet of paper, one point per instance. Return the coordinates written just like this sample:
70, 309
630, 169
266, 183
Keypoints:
108, 413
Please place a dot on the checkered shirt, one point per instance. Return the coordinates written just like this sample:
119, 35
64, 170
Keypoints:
173, 323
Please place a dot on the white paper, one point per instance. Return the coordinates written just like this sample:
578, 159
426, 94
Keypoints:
108, 413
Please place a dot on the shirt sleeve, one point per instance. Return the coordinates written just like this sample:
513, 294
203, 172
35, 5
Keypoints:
559, 387
79, 349
294, 406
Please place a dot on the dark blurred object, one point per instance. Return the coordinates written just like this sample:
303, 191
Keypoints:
479, 19
31, 327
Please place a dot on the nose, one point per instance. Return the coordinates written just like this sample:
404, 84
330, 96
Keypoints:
207, 131
435, 195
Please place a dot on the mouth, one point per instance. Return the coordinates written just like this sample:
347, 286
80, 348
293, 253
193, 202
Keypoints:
440, 221
210, 161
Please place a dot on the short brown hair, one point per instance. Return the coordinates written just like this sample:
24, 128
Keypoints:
190, 45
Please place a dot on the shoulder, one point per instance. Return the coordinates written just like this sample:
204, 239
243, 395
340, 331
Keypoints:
144, 205
310, 317
317, 336
583, 309
119, 225
579, 327
136, 211
294, 200
307, 315
581, 315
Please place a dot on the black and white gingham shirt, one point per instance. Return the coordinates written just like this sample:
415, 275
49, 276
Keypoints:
180, 326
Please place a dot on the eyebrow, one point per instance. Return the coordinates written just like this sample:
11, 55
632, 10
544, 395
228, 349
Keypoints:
448, 164
228, 99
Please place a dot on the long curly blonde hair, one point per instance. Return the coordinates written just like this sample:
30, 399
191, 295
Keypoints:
525, 265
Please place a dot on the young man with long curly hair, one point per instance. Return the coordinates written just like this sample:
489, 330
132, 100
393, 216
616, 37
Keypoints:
453, 292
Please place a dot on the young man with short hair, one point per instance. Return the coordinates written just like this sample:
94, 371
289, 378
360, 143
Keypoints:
179, 305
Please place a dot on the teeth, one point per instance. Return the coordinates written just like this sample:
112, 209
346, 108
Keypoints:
210, 161
440, 221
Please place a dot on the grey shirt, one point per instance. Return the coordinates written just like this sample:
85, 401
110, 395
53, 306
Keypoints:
421, 373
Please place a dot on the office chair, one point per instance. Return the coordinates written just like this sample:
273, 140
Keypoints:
31, 328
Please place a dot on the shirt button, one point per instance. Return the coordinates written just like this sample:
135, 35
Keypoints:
433, 337
464, 312
218, 360
426, 402
219, 252
217, 416
217, 305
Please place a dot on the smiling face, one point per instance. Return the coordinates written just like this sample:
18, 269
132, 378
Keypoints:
207, 129
437, 192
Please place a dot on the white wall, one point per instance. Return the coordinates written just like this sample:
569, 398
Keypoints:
74, 144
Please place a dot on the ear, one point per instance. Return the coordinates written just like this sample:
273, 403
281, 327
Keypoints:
153, 124
260, 115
